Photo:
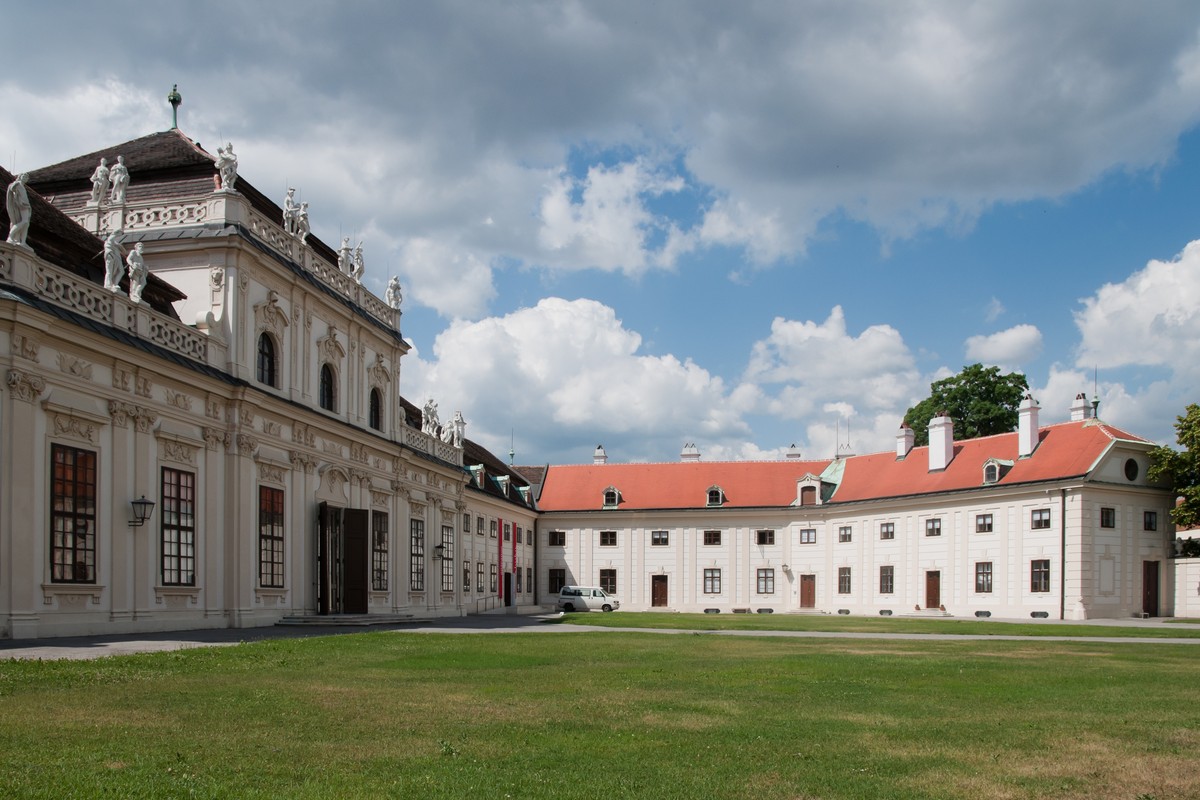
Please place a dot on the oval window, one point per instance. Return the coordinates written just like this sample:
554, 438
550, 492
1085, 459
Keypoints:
1131, 469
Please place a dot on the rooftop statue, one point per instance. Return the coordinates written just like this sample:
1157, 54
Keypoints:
113, 266
99, 183
291, 211
394, 296
137, 273
19, 210
302, 229
357, 259
344, 256
227, 165
118, 176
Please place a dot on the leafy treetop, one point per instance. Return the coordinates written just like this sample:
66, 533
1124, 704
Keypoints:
980, 400
1181, 468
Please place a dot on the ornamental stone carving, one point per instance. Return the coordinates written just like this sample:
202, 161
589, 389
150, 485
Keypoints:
178, 400
330, 348
144, 419
121, 412
246, 444
271, 428
360, 477
378, 374
379, 499
213, 408
24, 347
122, 379
143, 386
268, 316
303, 434
177, 451
215, 439
75, 366
302, 461
216, 278
74, 428
25, 386
358, 453
270, 472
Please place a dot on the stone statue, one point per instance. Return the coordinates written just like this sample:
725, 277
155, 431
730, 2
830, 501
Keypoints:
357, 259
137, 273
302, 229
290, 211
429, 418
113, 266
458, 426
99, 183
19, 210
344, 257
227, 165
393, 295
118, 176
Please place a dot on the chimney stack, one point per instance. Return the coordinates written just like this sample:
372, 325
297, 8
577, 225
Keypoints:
1027, 426
599, 457
941, 442
690, 452
1080, 408
793, 452
904, 441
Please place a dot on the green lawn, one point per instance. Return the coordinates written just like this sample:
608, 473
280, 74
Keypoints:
837, 622
607, 715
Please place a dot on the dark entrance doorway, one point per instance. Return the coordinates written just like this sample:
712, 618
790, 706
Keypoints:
933, 589
1150, 588
343, 560
508, 590
808, 591
658, 591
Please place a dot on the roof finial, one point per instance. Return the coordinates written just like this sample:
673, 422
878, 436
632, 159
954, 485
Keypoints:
176, 100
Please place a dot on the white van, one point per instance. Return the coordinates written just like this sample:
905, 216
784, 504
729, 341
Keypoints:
586, 598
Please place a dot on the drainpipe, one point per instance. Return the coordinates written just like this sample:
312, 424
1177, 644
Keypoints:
1062, 555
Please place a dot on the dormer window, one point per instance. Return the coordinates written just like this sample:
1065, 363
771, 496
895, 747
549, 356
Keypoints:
716, 497
994, 469
612, 497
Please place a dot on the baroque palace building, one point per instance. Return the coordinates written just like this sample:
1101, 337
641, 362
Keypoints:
170, 334
202, 424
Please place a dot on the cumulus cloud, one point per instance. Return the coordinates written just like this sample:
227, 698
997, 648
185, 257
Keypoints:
1008, 348
565, 372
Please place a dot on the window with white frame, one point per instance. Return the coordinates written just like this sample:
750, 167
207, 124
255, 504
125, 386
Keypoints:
1039, 518
933, 527
983, 523
887, 579
659, 538
845, 534
887, 530
983, 577
808, 536
843, 580
712, 581
766, 581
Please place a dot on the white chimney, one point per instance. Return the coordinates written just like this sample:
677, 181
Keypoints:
941, 442
904, 441
599, 457
794, 452
1080, 408
690, 452
1027, 426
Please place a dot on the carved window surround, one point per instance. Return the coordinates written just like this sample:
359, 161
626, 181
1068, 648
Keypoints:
270, 597
177, 596
71, 594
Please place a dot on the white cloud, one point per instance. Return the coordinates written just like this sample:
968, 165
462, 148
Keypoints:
1008, 348
1153, 317
994, 310
565, 372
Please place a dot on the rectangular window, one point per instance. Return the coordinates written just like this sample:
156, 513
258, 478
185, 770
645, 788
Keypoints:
843, 580
887, 530
379, 551
270, 537
466, 524
492, 577
1108, 518
933, 527
466, 576
808, 536
479, 576
983, 577
1150, 520
72, 515
766, 537
608, 581
887, 579
983, 523
845, 533
555, 580
712, 581
447, 558
608, 538
712, 537
1039, 575
766, 581
416, 555
520, 583
479, 526
492, 528
520, 534
178, 538
556, 538
659, 538
1039, 518
529, 579
508, 532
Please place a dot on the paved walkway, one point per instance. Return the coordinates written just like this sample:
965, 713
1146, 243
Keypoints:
85, 647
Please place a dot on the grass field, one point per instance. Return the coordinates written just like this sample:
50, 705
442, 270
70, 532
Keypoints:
607, 715
858, 624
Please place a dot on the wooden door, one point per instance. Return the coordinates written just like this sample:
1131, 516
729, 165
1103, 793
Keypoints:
658, 591
356, 561
329, 526
933, 589
1150, 588
808, 591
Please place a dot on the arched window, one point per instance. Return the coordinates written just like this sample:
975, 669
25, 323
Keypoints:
375, 412
266, 361
328, 390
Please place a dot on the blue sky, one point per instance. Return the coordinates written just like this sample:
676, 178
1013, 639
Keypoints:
744, 226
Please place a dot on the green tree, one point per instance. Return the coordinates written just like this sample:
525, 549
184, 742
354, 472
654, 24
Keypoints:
1181, 468
980, 400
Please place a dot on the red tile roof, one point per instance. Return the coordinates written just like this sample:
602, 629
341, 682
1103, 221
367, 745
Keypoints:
1065, 450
